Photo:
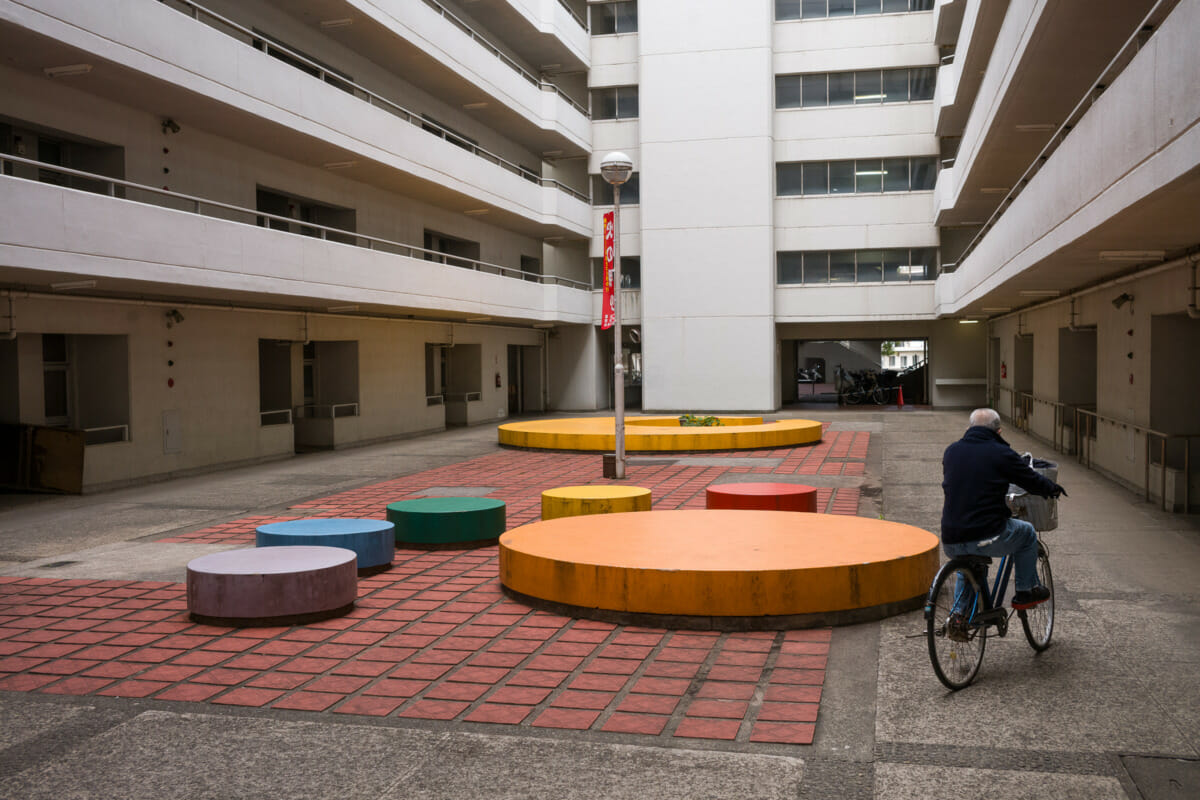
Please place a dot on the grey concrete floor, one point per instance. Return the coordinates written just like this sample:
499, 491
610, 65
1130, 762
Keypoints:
1111, 710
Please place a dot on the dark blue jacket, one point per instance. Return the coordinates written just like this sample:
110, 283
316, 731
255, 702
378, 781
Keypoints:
976, 472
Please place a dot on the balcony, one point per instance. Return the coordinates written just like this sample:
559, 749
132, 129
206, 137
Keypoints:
158, 243
225, 84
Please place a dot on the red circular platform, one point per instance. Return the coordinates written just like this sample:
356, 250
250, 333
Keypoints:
762, 496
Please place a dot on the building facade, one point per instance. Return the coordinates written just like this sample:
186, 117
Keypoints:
236, 230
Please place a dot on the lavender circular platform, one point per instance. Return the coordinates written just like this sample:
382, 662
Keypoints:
272, 585
372, 540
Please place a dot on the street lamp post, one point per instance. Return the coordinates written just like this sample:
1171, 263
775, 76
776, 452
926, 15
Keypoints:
616, 169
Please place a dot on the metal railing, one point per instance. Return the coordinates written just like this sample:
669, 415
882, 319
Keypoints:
325, 75
106, 434
582, 22
536, 80
1081, 438
280, 416
464, 397
326, 410
1087, 425
198, 205
434, 400
1114, 68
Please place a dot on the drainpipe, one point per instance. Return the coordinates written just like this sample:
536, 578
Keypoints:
11, 316
1192, 311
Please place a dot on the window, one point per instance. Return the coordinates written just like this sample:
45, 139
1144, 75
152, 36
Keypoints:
855, 266
282, 207
602, 191
85, 382
865, 87
531, 266
614, 18
617, 102
819, 9
631, 272
450, 249
862, 176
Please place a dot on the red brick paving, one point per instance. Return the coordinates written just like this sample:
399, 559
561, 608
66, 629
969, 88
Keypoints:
434, 637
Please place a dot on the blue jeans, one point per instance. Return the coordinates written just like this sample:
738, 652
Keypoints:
1018, 539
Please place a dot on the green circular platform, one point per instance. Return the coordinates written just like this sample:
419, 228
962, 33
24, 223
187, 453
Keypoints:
447, 520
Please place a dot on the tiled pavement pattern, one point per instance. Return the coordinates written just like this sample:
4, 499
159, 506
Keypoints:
434, 638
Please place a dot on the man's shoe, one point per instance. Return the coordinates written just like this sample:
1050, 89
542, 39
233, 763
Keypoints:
1029, 599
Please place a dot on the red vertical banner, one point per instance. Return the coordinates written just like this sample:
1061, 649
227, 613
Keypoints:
608, 307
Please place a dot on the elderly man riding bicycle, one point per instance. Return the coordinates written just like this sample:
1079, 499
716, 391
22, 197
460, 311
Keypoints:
976, 472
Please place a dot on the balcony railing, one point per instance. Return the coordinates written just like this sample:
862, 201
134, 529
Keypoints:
198, 205
537, 81
1076, 428
582, 22
326, 410
325, 75
1114, 68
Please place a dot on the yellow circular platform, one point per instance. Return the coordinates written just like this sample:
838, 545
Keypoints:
795, 568
658, 434
574, 501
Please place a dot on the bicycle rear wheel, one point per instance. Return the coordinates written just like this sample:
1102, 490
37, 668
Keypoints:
879, 396
1038, 621
956, 638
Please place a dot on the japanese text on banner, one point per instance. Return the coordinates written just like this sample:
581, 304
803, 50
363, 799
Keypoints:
608, 308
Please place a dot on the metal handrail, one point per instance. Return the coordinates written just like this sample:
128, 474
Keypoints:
286, 412
371, 98
322, 231
491, 48
582, 22
1090, 422
122, 429
326, 410
1107, 76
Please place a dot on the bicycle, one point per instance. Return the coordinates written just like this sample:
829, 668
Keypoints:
960, 609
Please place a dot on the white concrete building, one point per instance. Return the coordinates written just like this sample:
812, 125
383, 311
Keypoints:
237, 229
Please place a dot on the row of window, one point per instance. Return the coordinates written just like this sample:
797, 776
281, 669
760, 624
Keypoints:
817, 9
608, 18
865, 87
602, 191
860, 176
856, 266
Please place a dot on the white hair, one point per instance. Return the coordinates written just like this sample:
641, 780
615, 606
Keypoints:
985, 417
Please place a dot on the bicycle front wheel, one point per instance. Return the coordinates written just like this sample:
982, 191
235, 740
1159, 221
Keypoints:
879, 396
956, 637
1038, 621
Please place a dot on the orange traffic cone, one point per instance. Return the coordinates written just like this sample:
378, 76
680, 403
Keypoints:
899, 397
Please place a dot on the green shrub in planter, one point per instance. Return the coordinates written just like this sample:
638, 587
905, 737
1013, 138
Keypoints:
692, 421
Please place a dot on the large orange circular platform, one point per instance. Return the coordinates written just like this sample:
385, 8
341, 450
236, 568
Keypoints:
658, 434
721, 568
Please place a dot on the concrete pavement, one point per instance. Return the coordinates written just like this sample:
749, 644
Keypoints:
1111, 710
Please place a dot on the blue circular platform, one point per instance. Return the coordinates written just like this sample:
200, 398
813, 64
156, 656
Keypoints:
372, 540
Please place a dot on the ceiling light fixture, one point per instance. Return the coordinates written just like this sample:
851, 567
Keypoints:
66, 286
996, 309
337, 23
1040, 292
1037, 126
476, 212
968, 321
994, 190
475, 106
340, 309
479, 319
543, 325
340, 164
67, 70
1132, 255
